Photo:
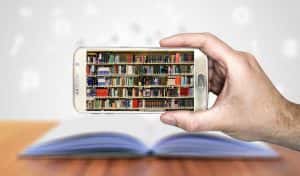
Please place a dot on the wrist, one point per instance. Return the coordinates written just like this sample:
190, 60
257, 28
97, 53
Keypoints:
286, 130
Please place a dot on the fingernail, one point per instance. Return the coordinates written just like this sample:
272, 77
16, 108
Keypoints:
168, 119
162, 41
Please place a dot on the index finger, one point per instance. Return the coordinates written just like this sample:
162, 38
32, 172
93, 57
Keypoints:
208, 43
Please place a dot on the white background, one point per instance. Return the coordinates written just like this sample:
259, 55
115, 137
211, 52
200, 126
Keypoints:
38, 38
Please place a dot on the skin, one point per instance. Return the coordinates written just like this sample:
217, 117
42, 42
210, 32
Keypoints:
248, 106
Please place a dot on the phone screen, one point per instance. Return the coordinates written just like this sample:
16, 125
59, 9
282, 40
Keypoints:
139, 81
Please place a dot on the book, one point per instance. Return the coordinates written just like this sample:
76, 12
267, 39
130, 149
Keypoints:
101, 81
178, 80
171, 80
99, 58
177, 57
129, 58
138, 137
184, 91
111, 59
135, 103
102, 92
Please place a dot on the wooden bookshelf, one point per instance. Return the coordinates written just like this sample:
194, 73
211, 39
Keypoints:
154, 97
137, 81
143, 109
124, 63
134, 86
138, 75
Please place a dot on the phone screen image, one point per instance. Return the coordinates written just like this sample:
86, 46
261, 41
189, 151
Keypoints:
139, 80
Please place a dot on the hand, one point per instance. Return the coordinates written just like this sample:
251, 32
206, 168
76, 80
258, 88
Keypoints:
248, 106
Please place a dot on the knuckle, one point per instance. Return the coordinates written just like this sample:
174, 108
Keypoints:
244, 54
191, 126
208, 34
248, 58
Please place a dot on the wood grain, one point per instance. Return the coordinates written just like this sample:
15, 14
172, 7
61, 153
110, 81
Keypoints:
16, 135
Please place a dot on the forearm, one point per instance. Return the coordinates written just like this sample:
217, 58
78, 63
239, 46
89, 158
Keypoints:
288, 127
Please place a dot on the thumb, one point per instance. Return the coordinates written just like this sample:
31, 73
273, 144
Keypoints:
191, 121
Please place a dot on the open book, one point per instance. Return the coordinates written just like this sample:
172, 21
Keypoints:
135, 137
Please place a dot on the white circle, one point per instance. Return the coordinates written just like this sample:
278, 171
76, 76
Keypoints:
91, 9
290, 48
62, 27
241, 15
30, 80
25, 12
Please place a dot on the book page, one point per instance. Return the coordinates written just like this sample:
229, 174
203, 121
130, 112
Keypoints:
146, 129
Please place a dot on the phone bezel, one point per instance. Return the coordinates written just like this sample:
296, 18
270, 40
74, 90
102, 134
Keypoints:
79, 76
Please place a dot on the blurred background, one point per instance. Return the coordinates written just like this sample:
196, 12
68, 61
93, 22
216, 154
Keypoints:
38, 38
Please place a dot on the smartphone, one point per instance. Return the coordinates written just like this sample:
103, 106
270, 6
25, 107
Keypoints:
139, 80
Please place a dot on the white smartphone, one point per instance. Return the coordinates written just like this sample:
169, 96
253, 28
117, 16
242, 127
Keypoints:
139, 80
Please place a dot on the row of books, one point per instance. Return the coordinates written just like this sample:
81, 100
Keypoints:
104, 57
138, 69
140, 81
140, 92
137, 103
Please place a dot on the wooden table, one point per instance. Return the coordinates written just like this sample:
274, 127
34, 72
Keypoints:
15, 135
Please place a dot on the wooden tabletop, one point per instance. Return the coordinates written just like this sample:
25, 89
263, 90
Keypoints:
16, 135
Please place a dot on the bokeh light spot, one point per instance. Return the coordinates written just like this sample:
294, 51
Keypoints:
290, 48
30, 80
241, 15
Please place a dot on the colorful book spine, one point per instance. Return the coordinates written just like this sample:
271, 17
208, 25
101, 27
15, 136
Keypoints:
178, 80
143, 83
111, 59
102, 92
129, 58
103, 70
177, 58
101, 81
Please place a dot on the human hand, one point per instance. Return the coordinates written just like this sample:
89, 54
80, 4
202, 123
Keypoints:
248, 106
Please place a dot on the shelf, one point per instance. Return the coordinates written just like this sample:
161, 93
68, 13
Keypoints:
140, 75
163, 73
143, 109
140, 97
148, 86
153, 63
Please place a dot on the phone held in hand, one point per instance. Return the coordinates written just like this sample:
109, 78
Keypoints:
139, 80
